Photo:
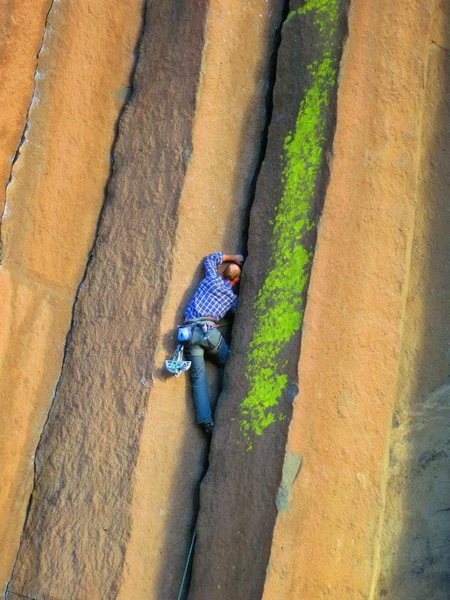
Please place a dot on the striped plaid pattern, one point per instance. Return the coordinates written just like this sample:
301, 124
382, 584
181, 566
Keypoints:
214, 296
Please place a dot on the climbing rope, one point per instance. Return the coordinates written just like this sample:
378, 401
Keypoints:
187, 566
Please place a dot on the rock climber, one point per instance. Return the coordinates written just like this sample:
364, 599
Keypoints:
213, 298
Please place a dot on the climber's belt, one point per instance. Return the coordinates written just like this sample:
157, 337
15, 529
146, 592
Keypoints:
185, 330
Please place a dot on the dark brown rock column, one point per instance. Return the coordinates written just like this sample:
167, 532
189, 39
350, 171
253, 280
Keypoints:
238, 500
78, 523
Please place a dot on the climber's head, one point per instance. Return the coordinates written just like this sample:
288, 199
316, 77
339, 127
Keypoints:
232, 273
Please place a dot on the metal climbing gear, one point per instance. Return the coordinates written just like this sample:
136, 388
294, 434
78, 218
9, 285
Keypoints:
184, 333
177, 365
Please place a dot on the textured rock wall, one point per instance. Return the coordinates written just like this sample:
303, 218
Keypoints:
414, 554
238, 499
119, 459
327, 543
64, 75
18, 47
227, 131
78, 524
329, 474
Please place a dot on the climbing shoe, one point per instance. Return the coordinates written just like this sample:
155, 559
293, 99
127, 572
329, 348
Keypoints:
208, 428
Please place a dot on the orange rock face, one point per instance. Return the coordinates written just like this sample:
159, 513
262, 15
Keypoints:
94, 430
416, 527
226, 143
326, 544
19, 47
362, 506
74, 91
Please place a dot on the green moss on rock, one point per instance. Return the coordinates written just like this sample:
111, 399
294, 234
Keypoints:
279, 306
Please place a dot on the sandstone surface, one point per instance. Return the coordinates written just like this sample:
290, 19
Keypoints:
414, 549
19, 47
78, 525
238, 498
327, 544
328, 473
226, 139
65, 102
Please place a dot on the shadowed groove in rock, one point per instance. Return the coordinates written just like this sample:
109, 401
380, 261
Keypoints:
278, 309
273, 36
88, 449
271, 78
238, 497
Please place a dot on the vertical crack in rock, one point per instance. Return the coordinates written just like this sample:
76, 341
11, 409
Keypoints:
78, 522
279, 306
247, 453
23, 138
271, 78
14, 596
268, 102
92, 250
187, 570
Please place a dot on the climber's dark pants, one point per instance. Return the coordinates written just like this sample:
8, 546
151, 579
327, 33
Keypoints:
214, 345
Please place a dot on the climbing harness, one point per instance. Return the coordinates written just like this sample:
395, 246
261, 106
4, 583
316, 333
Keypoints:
176, 364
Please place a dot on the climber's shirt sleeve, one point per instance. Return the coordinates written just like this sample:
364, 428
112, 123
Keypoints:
212, 261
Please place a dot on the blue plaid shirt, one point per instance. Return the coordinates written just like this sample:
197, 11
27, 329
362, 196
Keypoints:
214, 296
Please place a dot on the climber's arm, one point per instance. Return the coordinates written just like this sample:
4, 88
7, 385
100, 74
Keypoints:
234, 258
212, 261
